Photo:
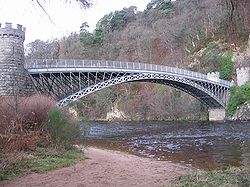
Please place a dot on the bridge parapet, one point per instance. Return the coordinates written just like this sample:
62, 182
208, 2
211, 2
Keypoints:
119, 65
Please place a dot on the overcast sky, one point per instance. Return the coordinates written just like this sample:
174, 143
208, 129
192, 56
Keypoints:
67, 17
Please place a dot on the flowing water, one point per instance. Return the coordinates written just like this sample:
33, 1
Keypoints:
203, 145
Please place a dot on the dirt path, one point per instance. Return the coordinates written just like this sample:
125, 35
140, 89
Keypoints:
105, 169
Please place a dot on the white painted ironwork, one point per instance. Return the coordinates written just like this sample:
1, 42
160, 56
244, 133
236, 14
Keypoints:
69, 80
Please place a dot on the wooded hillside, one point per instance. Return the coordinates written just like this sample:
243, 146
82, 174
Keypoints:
191, 34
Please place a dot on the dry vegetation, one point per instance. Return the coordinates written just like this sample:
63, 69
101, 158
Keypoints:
24, 122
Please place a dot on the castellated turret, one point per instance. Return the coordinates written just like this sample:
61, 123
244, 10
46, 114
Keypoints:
243, 75
14, 79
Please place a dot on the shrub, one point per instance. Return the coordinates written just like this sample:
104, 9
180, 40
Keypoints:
62, 127
226, 66
239, 95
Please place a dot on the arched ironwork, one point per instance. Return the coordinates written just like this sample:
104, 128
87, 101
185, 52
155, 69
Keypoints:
69, 80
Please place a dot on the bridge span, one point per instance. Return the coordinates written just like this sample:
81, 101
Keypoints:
69, 80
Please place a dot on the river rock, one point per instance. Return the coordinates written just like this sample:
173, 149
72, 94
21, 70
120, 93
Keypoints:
243, 112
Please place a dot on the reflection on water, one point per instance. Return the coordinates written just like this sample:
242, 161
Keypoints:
200, 144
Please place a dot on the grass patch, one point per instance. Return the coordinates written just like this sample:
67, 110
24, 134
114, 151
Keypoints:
11, 171
41, 161
48, 163
51, 162
233, 177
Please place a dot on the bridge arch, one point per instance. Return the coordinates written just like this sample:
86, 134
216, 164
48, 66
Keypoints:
202, 94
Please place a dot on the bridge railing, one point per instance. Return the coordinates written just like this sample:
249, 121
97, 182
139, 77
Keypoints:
61, 63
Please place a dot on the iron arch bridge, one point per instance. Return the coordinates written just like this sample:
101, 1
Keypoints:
69, 80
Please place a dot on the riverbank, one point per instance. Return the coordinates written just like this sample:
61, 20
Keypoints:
105, 168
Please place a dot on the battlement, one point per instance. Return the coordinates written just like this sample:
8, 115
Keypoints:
243, 69
213, 76
9, 32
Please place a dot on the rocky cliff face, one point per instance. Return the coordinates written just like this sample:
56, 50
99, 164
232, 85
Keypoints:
242, 59
242, 112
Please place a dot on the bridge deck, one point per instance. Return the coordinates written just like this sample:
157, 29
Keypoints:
54, 65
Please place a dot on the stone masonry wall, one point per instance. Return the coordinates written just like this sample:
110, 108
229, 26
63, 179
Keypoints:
243, 75
14, 79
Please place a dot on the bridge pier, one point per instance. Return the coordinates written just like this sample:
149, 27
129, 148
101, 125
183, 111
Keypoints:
217, 114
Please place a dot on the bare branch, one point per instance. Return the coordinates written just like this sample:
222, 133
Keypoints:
82, 3
44, 11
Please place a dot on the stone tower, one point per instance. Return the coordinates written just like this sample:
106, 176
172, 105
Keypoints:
243, 75
14, 79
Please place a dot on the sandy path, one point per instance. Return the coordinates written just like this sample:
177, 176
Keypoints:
105, 169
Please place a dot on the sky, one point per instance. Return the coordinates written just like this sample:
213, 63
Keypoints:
66, 15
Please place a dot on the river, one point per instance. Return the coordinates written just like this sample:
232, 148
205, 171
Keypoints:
204, 145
